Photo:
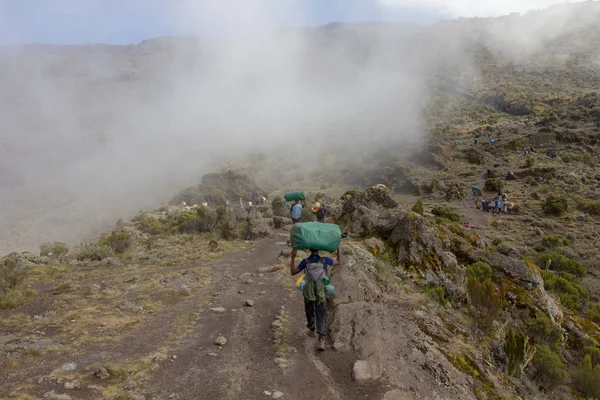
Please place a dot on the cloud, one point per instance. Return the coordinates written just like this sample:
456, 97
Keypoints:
474, 8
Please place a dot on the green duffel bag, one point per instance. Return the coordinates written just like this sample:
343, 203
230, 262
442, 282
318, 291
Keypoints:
316, 236
293, 196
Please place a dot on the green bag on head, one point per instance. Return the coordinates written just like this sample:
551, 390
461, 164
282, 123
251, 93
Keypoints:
293, 196
316, 236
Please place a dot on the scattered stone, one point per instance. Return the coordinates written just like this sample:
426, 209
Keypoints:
249, 281
52, 395
241, 292
220, 341
218, 309
281, 362
249, 303
72, 385
97, 388
277, 394
186, 290
130, 385
159, 357
361, 372
583, 217
174, 357
267, 393
213, 354
272, 268
72, 366
102, 373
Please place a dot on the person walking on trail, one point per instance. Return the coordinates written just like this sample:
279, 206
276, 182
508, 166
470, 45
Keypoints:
314, 288
475, 190
319, 210
296, 212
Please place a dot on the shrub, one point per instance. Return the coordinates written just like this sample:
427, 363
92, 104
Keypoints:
593, 312
587, 376
486, 301
207, 219
118, 241
418, 207
54, 250
187, 222
529, 162
493, 185
438, 292
306, 215
93, 252
544, 331
480, 270
279, 207
554, 241
555, 205
265, 210
518, 352
550, 371
570, 293
557, 262
11, 274
590, 207
151, 225
446, 213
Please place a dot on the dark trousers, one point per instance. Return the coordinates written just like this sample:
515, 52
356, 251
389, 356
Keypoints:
316, 316
295, 221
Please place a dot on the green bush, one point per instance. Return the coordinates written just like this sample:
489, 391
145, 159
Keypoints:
151, 225
438, 292
207, 219
590, 207
93, 252
544, 331
446, 212
486, 301
587, 376
593, 312
550, 371
493, 185
557, 262
118, 241
54, 250
418, 207
279, 207
529, 162
11, 274
187, 222
555, 205
265, 210
480, 270
519, 352
570, 293
554, 241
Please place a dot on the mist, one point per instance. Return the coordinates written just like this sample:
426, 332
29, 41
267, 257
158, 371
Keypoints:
95, 133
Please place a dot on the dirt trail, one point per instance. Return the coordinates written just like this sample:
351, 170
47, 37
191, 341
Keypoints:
248, 366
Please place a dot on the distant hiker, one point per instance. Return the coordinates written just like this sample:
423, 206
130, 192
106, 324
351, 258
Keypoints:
492, 141
475, 190
241, 203
483, 205
531, 149
475, 140
314, 288
230, 173
319, 210
296, 212
249, 204
227, 203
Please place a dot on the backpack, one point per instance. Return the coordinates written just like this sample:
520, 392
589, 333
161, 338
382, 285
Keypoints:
321, 212
315, 271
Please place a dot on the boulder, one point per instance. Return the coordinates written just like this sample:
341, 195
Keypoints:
375, 213
280, 222
257, 226
375, 246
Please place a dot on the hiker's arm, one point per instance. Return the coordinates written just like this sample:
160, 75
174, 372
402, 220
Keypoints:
293, 269
338, 258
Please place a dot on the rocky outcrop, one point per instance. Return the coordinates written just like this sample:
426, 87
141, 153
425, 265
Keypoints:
257, 226
393, 339
218, 188
374, 212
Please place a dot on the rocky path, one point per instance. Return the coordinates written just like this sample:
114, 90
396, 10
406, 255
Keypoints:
267, 353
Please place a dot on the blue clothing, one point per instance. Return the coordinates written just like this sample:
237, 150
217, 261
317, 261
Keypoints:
313, 259
296, 211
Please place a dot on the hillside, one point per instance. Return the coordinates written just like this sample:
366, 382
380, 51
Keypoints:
377, 121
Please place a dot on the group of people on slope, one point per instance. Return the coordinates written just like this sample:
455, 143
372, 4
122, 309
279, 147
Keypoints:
318, 210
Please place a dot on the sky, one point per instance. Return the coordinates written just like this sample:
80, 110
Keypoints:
132, 21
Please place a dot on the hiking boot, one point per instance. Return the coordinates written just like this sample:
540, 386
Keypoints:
311, 333
321, 345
